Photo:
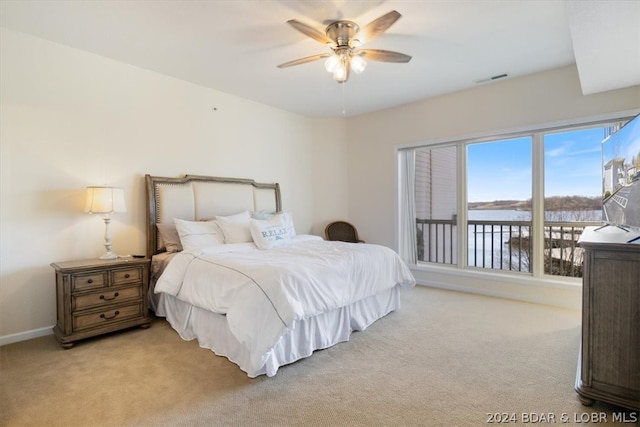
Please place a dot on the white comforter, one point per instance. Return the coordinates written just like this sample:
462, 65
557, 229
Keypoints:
264, 292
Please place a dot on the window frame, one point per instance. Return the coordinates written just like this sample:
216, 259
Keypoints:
536, 133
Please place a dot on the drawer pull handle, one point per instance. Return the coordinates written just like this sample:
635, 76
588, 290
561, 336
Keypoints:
126, 276
102, 297
90, 281
115, 314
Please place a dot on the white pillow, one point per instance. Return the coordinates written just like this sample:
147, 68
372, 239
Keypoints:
235, 227
198, 234
270, 233
288, 222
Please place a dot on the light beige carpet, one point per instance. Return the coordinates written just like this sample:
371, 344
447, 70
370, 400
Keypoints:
444, 359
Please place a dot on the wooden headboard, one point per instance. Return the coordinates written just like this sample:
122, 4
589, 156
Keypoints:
195, 198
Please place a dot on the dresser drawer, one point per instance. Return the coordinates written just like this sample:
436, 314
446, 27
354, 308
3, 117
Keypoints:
105, 297
107, 317
126, 275
92, 280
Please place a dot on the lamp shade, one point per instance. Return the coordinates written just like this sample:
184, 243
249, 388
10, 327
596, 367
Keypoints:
105, 200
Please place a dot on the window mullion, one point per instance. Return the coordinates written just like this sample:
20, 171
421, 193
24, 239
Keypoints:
461, 223
537, 205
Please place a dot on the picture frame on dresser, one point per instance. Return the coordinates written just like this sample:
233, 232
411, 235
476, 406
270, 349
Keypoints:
95, 297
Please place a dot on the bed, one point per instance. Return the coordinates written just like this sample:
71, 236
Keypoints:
229, 270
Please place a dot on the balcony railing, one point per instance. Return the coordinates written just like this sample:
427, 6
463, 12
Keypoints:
503, 245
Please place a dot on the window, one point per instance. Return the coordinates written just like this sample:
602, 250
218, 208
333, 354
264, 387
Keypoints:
572, 195
436, 204
499, 204
522, 200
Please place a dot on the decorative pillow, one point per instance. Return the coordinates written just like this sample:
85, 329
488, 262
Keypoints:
198, 234
262, 214
269, 233
169, 237
235, 228
287, 217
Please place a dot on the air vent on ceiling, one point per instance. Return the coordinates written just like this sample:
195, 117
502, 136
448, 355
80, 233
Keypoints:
489, 79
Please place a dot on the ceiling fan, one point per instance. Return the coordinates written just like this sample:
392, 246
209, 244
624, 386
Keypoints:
345, 38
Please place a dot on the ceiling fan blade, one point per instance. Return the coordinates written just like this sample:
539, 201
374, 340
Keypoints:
304, 60
383, 55
310, 32
377, 27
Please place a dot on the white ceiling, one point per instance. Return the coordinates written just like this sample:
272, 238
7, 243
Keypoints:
234, 46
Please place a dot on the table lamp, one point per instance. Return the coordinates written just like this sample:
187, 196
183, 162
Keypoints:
105, 200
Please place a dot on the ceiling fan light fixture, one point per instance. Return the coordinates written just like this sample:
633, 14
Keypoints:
340, 74
358, 64
332, 63
355, 43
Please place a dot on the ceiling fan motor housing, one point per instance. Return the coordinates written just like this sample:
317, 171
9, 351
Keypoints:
342, 32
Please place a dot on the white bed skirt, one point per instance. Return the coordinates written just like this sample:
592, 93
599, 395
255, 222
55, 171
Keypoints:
323, 331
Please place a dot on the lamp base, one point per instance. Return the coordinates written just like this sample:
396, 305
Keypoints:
108, 255
107, 239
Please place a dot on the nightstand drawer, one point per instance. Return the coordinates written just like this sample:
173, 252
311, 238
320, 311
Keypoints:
106, 317
97, 279
105, 297
127, 275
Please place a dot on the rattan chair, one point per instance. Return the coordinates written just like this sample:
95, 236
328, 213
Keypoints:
342, 231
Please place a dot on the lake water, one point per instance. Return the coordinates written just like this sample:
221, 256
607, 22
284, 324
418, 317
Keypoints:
514, 215
489, 240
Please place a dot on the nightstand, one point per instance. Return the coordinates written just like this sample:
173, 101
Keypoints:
95, 297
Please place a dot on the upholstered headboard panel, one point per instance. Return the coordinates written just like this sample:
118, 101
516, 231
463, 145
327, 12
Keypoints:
195, 197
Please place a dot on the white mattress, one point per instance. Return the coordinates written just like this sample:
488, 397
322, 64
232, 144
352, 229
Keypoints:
307, 335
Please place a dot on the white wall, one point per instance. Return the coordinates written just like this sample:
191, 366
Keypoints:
72, 119
330, 196
543, 98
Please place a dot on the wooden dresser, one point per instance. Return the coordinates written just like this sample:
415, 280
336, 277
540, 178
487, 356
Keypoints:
609, 362
97, 296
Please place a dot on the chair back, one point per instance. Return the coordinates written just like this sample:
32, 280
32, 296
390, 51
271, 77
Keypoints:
342, 231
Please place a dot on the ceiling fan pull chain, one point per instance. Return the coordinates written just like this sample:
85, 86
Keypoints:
344, 108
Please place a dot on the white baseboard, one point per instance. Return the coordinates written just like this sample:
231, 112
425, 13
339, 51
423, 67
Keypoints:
27, 335
559, 293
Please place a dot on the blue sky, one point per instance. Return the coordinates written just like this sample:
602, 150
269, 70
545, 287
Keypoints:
501, 170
